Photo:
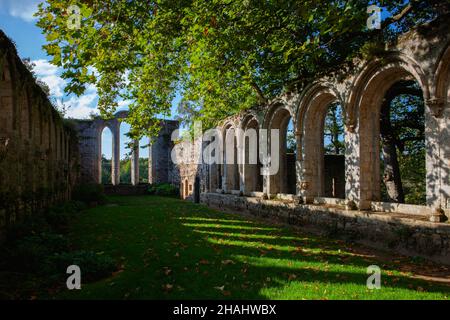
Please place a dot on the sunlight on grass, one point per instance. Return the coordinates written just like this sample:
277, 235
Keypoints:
250, 236
202, 219
223, 226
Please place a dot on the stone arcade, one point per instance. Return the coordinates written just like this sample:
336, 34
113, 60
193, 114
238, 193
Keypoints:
42, 157
422, 55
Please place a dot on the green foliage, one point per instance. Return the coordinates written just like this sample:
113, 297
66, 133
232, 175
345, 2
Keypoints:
59, 216
34, 249
89, 193
407, 116
221, 56
106, 170
30, 225
334, 130
125, 170
163, 189
31, 253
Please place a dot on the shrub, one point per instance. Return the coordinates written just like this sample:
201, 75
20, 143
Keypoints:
93, 266
89, 193
163, 189
30, 225
59, 216
31, 253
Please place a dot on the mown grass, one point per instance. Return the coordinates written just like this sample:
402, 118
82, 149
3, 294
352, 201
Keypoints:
170, 249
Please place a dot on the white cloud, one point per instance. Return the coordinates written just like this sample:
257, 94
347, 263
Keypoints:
23, 9
81, 107
49, 74
44, 68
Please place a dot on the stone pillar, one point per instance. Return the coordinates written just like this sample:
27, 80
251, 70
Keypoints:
437, 142
115, 162
352, 166
240, 162
298, 162
135, 164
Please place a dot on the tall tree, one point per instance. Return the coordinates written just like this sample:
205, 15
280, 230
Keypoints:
402, 130
222, 56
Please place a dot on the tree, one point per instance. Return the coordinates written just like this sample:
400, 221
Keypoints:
222, 56
106, 170
334, 130
402, 133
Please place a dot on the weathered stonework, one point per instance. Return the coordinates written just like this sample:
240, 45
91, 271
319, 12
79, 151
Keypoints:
161, 167
383, 230
38, 150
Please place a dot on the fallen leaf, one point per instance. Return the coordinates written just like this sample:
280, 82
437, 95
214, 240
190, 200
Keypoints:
227, 262
167, 271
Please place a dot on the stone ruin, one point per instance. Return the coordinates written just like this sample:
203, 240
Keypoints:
42, 156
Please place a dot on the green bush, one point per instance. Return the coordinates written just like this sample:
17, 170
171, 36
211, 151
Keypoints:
93, 266
30, 225
163, 189
31, 253
89, 193
59, 216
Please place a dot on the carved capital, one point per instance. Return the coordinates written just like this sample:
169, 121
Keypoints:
436, 106
304, 185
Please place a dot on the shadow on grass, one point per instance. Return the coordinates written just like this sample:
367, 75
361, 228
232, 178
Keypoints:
178, 250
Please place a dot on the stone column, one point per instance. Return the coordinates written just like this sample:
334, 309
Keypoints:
352, 166
437, 137
135, 164
115, 162
240, 162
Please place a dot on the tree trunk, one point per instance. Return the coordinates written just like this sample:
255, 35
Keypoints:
391, 177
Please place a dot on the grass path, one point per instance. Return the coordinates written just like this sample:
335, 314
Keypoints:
170, 249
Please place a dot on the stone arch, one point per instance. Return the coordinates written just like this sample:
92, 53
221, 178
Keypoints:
278, 118
311, 115
7, 114
24, 113
438, 148
231, 179
442, 82
363, 123
393, 67
111, 125
251, 164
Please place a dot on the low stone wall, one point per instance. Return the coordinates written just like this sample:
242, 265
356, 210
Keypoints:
396, 232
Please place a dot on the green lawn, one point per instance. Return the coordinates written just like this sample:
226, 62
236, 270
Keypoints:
170, 249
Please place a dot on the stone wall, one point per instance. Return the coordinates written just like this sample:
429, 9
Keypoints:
38, 153
394, 232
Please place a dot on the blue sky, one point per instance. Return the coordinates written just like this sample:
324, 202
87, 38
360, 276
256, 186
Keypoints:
17, 21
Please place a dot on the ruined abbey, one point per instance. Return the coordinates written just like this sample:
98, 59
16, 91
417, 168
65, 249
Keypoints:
42, 156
